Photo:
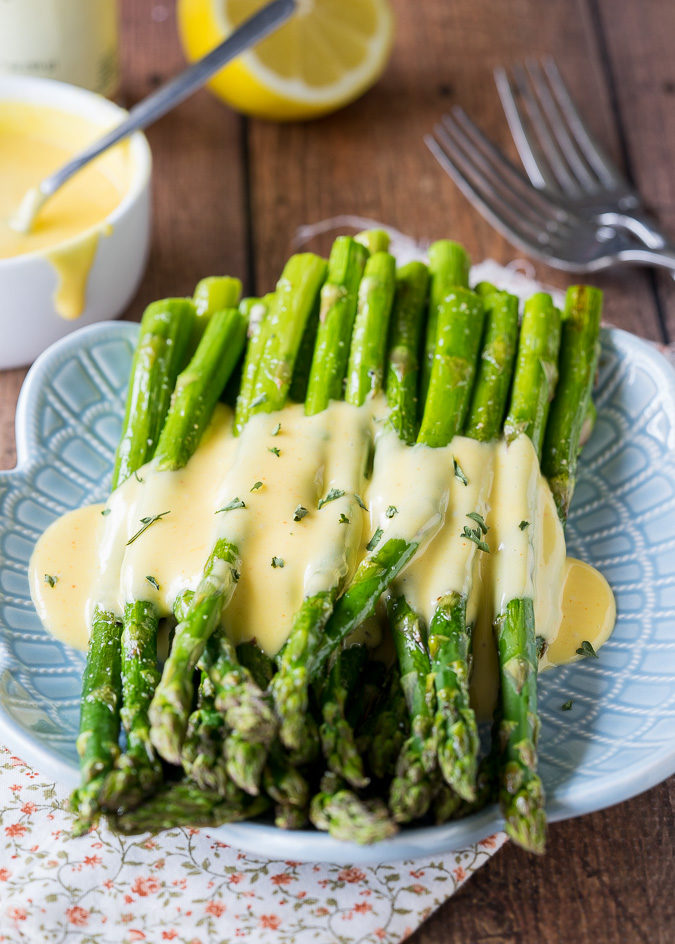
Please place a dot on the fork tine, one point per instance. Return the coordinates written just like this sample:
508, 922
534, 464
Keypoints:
594, 154
541, 129
557, 122
503, 166
535, 164
526, 217
494, 209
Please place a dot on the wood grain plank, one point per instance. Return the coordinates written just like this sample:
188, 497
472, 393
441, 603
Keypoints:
369, 159
638, 44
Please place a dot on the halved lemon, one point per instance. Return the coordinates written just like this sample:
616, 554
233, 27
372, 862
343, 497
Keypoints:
326, 55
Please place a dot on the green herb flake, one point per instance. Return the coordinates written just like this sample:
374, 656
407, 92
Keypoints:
146, 522
331, 496
276, 430
360, 501
343, 519
236, 575
474, 534
300, 513
523, 525
275, 451
278, 562
375, 540
542, 646
256, 486
586, 649
235, 503
391, 511
106, 511
567, 706
459, 472
52, 581
480, 521
151, 580
138, 478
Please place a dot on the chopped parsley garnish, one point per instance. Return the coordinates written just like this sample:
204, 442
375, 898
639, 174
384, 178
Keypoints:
275, 451
231, 505
137, 477
106, 511
523, 525
474, 534
276, 430
331, 496
258, 400
459, 473
360, 501
151, 580
542, 646
375, 540
391, 511
236, 575
343, 519
479, 521
586, 649
300, 513
146, 522
256, 486
52, 581
277, 562
566, 706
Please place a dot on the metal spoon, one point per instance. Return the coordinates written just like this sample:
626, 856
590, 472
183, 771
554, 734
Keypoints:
254, 29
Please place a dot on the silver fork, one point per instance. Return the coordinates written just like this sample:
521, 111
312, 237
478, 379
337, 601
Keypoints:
534, 220
560, 154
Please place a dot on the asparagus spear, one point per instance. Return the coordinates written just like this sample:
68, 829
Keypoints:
162, 345
389, 728
212, 294
578, 363
336, 319
290, 686
202, 752
337, 734
185, 804
196, 393
449, 268
412, 282
412, 787
455, 726
289, 310
374, 240
521, 793
255, 309
343, 814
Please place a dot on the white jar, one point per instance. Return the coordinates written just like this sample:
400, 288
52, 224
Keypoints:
74, 41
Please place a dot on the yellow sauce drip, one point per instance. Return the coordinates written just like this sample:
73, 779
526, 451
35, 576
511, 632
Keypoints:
34, 142
413, 493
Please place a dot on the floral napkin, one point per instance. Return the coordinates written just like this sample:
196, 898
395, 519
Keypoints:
186, 886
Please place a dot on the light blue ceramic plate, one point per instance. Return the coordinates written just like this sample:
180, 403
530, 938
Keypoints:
617, 740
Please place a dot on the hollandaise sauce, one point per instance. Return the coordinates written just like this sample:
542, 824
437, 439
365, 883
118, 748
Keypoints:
286, 491
34, 142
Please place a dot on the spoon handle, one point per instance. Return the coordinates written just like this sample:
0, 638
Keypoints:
176, 90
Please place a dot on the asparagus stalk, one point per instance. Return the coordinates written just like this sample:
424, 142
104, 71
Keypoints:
455, 725
412, 282
343, 814
389, 728
212, 294
337, 734
570, 408
374, 240
164, 336
288, 313
196, 393
290, 686
521, 793
449, 268
185, 804
255, 309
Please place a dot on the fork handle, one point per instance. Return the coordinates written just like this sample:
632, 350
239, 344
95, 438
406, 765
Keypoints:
663, 258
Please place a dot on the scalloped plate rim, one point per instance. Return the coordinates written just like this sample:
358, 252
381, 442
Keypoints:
309, 845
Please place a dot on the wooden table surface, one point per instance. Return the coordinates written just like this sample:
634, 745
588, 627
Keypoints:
229, 194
